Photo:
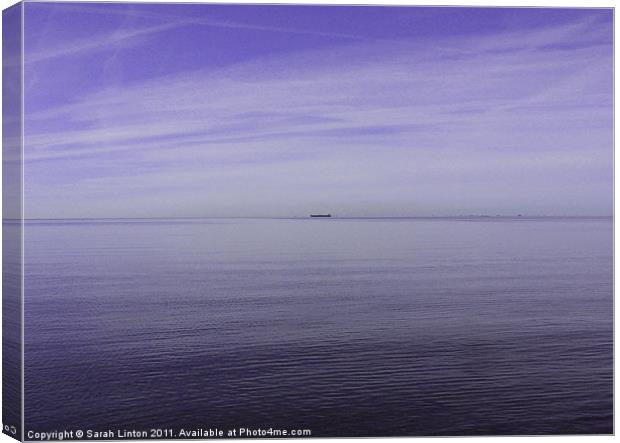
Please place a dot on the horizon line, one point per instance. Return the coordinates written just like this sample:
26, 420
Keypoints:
292, 217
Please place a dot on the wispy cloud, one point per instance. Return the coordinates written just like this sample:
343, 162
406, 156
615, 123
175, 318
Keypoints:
163, 22
103, 42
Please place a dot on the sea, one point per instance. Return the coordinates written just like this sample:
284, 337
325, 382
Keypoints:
339, 327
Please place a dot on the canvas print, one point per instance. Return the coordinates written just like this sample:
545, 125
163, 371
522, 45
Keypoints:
232, 221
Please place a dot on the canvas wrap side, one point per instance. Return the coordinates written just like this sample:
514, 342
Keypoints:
12, 222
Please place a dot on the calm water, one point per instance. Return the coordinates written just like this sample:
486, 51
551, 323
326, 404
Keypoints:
345, 327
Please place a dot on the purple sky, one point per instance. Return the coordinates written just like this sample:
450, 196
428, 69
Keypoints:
137, 110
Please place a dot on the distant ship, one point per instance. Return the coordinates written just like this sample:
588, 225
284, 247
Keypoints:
320, 215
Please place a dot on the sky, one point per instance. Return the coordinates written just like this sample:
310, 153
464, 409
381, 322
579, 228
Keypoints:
189, 110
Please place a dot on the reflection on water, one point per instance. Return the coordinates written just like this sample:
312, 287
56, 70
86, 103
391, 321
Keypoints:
346, 327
